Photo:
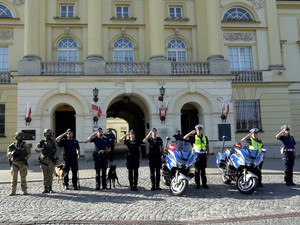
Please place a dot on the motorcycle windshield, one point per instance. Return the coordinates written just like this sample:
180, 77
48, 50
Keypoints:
184, 146
184, 149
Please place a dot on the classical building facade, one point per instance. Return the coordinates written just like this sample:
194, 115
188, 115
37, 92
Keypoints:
240, 58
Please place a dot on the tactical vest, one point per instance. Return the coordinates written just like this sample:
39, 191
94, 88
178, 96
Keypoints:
200, 143
255, 145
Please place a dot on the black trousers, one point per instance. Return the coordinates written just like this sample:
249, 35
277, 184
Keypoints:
155, 166
288, 159
133, 170
200, 166
100, 165
72, 164
110, 155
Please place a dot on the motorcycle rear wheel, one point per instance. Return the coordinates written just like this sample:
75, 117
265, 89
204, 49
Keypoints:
246, 187
178, 188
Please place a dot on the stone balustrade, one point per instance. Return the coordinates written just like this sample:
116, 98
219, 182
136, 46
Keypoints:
4, 77
247, 76
62, 68
130, 68
190, 68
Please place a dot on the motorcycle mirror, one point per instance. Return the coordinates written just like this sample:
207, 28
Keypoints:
224, 137
168, 138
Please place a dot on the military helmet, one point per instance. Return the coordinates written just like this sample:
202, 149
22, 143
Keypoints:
48, 130
19, 134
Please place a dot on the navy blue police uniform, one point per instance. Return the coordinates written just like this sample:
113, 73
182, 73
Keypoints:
288, 157
154, 157
178, 137
200, 164
71, 160
133, 161
100, 159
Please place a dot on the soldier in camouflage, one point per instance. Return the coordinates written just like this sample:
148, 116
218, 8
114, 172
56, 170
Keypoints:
18, 153
48, 159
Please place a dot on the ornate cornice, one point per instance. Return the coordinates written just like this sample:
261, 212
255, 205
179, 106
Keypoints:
19, 2
239, 36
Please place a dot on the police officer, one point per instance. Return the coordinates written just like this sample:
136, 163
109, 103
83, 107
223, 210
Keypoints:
201, 143
18, 153
133, 157
288, 152
178, 136
155, 151
111, 139
48, 159
255, 144
71, 156
102, 147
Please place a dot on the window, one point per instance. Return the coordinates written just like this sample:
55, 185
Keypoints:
5, 12
122, 12
175, 12
67, 50
3, 58
67, 11
2, 119
237, 14
176, 51
240, 58
123, 50
247, 115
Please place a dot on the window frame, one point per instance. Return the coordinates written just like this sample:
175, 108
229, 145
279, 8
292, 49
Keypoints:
11, 16
122, 12
249, 14
242, 115
67, 11
177, 50
123, 50
175, 13
2, 68
2, 114
240, 56
67, 50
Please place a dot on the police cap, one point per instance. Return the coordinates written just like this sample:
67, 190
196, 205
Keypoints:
253, 130
285, 127
199, 127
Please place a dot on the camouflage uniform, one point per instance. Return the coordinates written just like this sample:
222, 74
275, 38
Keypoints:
48, 159
18, 154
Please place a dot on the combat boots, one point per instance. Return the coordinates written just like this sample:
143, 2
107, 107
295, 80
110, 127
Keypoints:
13, 192
45, 190
25, 192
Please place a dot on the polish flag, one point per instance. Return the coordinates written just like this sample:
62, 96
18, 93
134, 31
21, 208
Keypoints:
96, 107
227, 109
28, 110
166, 109
99, 111
223, 109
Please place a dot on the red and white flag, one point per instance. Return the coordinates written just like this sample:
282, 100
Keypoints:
227, 109
28, 111
166, 109
96, 107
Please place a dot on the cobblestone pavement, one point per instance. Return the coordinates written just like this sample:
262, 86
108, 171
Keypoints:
275, 203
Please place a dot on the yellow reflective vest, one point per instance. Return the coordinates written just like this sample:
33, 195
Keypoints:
200, 143
256, 145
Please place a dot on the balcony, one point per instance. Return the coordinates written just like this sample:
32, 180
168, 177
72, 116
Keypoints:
62, 68
247, 76
4, 77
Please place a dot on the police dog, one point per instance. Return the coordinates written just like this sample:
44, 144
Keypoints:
112, 176
59, 173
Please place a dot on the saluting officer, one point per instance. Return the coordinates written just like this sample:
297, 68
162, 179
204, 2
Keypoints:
133, 157
18, 153
102, 147
48, 159
288, 151
155, 151
71, 156
255, 144
200, 142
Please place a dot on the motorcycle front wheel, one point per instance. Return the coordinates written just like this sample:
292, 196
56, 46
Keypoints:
178, 186
246, 187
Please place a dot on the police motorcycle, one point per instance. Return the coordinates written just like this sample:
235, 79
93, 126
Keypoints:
177, 166
240, 165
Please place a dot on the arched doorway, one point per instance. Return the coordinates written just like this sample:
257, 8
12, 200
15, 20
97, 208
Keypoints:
189, 118
64, 118
131, 112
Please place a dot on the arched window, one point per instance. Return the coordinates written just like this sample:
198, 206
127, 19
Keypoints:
5, 12
238, 14
123, 50
176, 51
67, 50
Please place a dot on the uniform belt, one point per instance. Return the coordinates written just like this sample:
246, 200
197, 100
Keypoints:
288, 150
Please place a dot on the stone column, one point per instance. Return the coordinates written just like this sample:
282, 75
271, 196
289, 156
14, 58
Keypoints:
273, 36
94, 17
32, 28
214, 31
155, 26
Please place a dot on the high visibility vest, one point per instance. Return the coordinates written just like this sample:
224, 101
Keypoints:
255, 145
200, 143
